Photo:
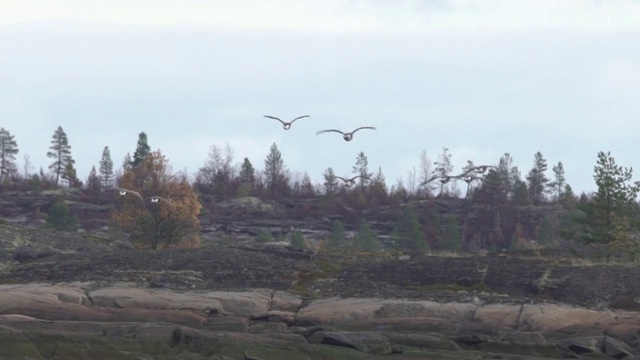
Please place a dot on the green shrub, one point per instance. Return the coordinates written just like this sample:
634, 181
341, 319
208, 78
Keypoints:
263, 236
297, 239
60, 219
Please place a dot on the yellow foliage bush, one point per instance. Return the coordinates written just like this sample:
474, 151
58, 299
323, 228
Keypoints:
170, 223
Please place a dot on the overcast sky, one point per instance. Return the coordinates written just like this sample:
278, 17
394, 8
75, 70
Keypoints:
482, 78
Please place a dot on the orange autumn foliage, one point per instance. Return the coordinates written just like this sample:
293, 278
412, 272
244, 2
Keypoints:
170, 223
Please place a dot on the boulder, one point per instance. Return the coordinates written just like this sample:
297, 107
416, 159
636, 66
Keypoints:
552, 318
206, 302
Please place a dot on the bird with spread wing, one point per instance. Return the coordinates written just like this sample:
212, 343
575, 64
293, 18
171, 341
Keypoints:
286, 125
347, 136
351, 181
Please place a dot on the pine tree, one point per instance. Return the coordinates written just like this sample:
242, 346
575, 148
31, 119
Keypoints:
537, 179
296, 239
247, 178
70, 175
378, 188
559, 181
61, 153
365, 239
306, 186
361, 168
247, 173
8, 151
142, 149
330, 181
568, 197
444, 167
106, 169
274, 172
94, 183
520, 192
410, 231
60, 218
337, 238
613, 202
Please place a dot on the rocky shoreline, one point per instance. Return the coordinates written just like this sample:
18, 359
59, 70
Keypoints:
76, 296
76, 320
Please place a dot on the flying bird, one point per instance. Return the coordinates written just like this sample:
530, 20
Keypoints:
350, 182
286, 125
157, 199
347, 136
480, 169
124, 192
443, 179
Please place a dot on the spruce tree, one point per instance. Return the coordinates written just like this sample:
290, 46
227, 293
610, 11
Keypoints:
142, 149
8, 151
410, 231
274, 172
106, 169
60, 218
337, 238
365, 239
61, 153
247, 173
296, 239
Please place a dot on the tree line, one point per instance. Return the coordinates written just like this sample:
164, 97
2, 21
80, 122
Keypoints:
607, 218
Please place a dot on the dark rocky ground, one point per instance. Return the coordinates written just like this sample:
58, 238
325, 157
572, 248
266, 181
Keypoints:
32, 254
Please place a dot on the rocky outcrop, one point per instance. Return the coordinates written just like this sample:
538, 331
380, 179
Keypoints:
245, 217
46, 321
68, 295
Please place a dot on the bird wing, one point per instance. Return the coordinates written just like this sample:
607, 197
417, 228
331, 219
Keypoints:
131, 192
430, 180
299, 117
160, 198
274, 118
329, 130
482, 168
364, 127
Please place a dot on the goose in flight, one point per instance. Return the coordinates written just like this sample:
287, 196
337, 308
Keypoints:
286, 125
443, 179
350, 182
124, 192
347, 136
480, 169
157, 199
